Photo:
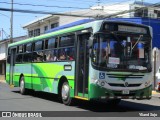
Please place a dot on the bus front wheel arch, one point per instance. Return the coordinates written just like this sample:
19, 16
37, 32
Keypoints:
64, 91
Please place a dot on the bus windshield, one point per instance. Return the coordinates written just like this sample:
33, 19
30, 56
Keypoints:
122, 51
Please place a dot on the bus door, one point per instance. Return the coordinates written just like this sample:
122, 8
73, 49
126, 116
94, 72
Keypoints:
12, 64
82, 65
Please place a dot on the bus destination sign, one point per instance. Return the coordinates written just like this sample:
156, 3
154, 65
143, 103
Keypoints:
124, 28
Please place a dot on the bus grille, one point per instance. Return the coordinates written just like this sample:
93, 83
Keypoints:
122, 85
124, 76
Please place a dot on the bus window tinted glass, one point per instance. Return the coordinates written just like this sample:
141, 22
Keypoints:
28, 47
38, 56
19, 58
20, 49
67, 40
66, 54
27, 57
51, 43
51, 55
39, 45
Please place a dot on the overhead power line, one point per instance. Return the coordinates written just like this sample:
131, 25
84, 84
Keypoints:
75, 15
43, 12
26, 4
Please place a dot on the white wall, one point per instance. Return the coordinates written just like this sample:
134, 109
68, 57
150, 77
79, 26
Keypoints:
3, 50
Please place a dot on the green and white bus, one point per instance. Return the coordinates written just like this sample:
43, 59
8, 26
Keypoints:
96, 60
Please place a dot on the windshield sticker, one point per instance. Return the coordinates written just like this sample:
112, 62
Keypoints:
137, 67
114, 60
112, 65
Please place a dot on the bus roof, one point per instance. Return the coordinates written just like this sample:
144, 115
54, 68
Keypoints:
79, 22
78, 25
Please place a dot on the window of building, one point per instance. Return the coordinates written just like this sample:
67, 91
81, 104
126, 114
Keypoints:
45, 28
141, 12
30, 33
37, 32
67, 40
53, 25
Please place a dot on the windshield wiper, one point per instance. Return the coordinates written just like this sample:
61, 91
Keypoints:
140, 37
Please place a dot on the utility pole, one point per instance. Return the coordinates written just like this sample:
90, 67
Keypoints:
11, 23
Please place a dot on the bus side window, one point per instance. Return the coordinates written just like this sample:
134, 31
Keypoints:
51, 55
38, 56
67, 40
38, 45
19, 58
19, 54
70, 53
27, 56
61, 54
51, 43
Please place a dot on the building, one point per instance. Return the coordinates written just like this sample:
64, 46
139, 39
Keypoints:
3, 54
40, 25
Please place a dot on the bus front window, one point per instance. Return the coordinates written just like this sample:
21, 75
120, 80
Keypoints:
128, 52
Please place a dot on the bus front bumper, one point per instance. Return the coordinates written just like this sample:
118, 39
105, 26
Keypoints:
98, 92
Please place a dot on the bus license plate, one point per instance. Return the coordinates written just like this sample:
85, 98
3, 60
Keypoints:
125, 92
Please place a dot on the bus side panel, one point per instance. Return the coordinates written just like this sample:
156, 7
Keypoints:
49, 74
24, 69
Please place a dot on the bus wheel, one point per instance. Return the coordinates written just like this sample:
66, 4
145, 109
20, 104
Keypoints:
65, 94
22, 86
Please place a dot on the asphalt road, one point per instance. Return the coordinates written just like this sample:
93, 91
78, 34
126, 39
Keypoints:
12, 100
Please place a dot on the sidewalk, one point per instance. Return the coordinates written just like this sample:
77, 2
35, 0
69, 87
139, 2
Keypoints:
155, 94
2, 81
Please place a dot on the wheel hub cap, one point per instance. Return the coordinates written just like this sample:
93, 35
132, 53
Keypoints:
21, 85
65, 92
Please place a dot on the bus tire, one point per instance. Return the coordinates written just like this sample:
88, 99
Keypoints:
23, 90
65, 94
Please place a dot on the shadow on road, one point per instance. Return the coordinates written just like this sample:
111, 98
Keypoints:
124, 106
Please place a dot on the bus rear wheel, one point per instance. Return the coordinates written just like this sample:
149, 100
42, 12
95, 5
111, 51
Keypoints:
65, 94
22, 86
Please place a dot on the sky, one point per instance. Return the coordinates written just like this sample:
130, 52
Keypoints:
21, 19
